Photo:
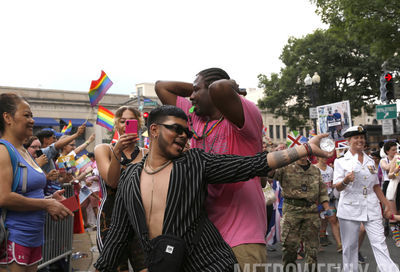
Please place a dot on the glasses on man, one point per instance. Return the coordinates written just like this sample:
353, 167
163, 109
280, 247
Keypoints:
178, 129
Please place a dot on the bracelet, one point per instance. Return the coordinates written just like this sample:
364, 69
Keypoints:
392, 217
307, 146
344, 183
87, 143
119, 160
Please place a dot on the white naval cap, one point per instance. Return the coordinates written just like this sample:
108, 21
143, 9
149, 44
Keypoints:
354, 130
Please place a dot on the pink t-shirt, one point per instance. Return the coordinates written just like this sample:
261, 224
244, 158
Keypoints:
237, 209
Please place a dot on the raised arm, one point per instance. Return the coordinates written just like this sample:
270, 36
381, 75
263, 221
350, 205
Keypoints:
168, 91
80, 148
224, 95
64, 141
108, 166
108, 158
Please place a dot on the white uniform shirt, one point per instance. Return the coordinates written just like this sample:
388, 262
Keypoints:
358, 200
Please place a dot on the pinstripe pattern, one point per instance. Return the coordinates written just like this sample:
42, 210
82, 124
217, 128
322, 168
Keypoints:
188, 189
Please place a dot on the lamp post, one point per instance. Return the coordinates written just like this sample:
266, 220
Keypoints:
311, 84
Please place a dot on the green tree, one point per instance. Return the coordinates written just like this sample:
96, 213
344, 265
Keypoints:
372, 22
347, 72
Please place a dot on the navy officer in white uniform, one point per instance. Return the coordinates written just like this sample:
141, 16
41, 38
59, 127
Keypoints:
355, 176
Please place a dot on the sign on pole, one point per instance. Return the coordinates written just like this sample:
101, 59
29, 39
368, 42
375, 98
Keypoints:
313, 113
384, 112
387, 127
149, 102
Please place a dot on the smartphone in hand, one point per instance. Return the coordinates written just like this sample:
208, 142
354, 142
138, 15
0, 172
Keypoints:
131, 126
39, 153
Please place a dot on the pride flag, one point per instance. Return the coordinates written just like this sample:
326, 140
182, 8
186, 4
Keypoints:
67, 129
98, 88
105, 118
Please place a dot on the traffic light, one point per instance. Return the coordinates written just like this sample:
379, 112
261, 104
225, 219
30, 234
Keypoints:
145, 116
389, 86
386, 87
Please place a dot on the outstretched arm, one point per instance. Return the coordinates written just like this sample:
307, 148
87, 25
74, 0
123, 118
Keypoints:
64, 141
232, 168
168, 91
281, 158
224, 95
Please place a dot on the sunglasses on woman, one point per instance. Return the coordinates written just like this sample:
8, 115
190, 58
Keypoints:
178, 129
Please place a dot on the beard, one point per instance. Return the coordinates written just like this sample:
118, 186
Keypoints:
164, 148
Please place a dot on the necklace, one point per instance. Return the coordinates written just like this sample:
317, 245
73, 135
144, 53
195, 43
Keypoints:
155, 171
152, 173
213, 142
205, 131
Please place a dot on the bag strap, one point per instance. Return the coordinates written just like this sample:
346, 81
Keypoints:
14, 162
16, 165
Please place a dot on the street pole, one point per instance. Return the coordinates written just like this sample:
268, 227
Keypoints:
312, 85
140, 107
314, 105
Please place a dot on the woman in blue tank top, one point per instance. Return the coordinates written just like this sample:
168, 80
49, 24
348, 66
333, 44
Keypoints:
25, 210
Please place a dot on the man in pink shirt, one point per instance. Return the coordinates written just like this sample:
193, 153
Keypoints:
224, 122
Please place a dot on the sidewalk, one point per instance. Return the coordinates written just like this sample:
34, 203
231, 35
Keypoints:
84, 252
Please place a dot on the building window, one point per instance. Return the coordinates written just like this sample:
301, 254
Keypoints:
284, 133
271, 131
278, 131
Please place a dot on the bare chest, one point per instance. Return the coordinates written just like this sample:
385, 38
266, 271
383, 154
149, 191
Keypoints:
154, 192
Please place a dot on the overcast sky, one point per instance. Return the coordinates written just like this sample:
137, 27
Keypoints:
65, 44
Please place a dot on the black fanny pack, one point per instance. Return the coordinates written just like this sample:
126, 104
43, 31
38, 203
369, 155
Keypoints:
167, 254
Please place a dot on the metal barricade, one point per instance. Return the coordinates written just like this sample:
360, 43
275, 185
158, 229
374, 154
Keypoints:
58, 236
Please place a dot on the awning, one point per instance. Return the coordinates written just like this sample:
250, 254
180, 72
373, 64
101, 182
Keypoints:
42, 122
76, 122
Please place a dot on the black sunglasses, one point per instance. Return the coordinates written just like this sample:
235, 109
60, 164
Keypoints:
178, 129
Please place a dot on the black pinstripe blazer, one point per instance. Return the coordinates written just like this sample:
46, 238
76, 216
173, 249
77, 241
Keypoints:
185, 205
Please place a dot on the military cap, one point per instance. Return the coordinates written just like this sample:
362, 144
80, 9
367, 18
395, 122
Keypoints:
354, 130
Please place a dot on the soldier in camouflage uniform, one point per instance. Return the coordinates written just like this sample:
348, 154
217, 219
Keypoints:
303, 190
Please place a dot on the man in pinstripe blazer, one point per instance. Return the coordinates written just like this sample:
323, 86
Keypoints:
166, 193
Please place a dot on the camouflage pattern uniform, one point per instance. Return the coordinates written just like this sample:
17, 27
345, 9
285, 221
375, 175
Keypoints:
302, 190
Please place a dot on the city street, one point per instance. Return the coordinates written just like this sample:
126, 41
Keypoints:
331, 261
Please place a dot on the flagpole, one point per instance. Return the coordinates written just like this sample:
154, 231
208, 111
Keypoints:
91, 111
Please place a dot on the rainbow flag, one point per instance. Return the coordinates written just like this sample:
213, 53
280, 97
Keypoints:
105, 118
67, 129
98, 89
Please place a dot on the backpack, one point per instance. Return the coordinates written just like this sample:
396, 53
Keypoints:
18, 169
